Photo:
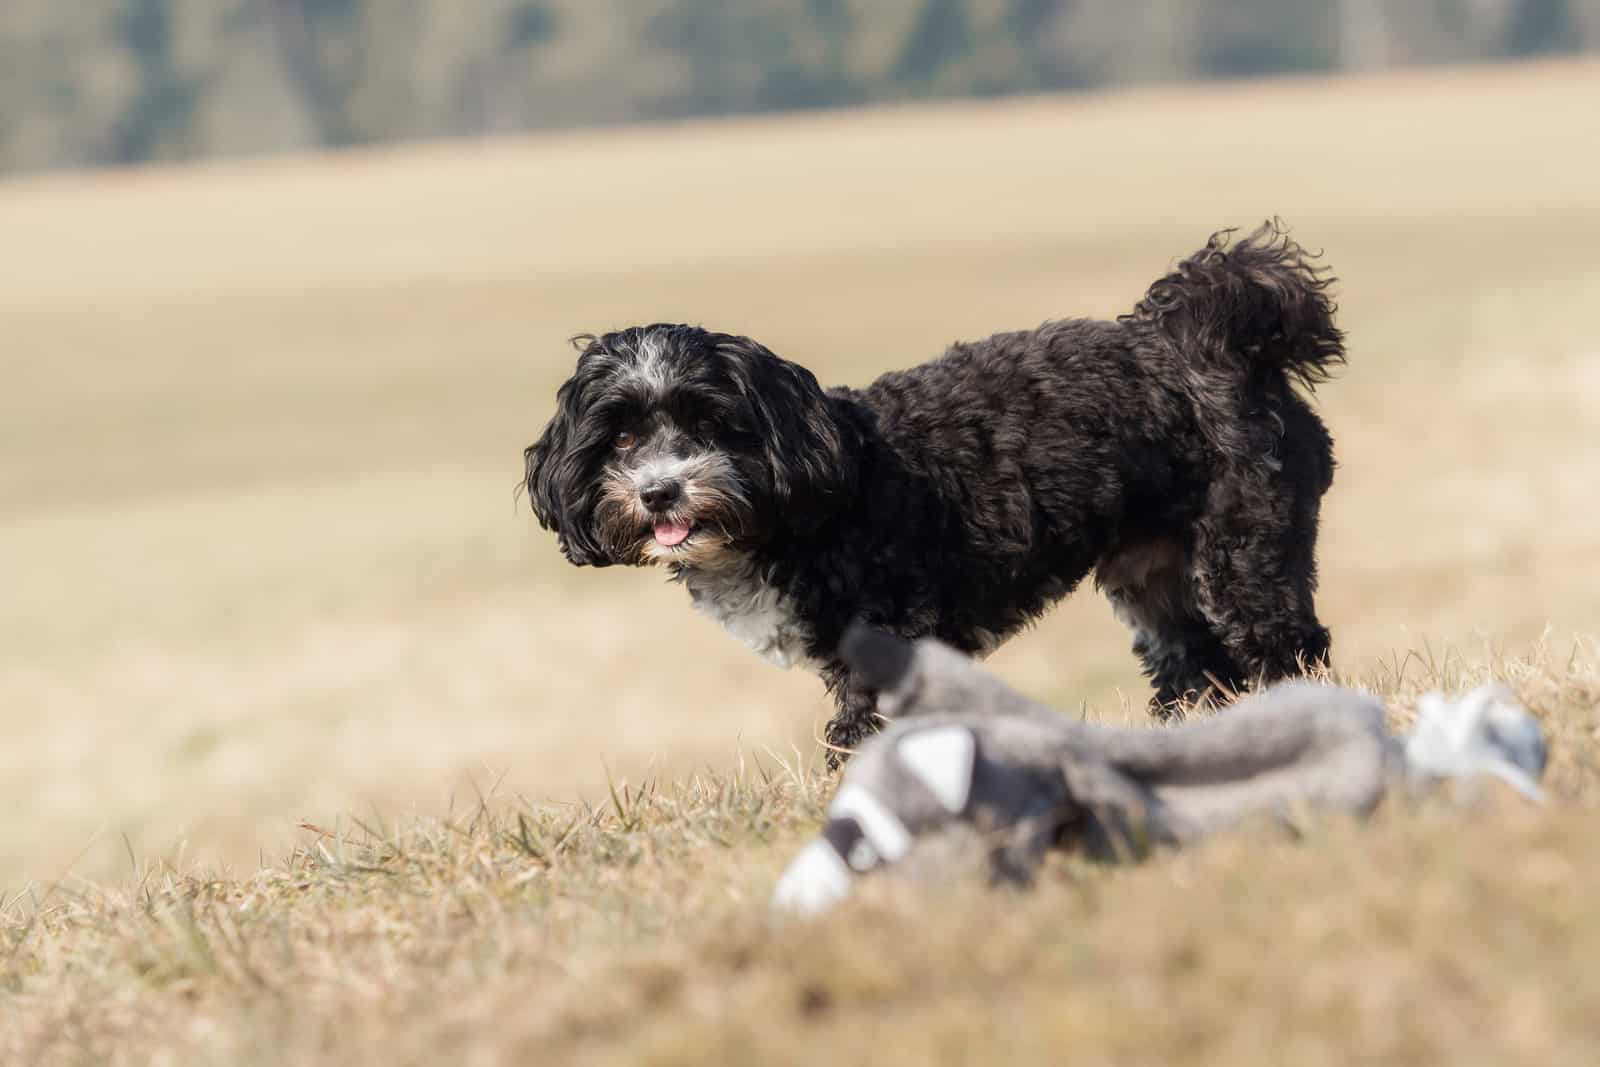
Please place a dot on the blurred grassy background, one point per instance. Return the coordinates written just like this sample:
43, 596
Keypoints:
262, 423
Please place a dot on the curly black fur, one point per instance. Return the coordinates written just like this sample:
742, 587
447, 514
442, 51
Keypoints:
1167, 451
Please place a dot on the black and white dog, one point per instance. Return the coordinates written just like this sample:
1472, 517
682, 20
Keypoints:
1167, 451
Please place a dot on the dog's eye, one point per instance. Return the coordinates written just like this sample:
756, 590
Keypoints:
625, 440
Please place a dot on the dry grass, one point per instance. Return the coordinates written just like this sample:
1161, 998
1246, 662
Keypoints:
261, 565
633, 931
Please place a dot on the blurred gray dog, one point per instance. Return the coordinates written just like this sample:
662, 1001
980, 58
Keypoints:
973, 776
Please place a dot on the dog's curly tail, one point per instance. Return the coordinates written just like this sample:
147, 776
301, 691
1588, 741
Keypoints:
1259, 306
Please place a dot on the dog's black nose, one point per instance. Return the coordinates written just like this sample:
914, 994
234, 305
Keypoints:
661, 495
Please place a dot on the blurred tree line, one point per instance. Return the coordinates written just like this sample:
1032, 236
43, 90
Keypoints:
88, 82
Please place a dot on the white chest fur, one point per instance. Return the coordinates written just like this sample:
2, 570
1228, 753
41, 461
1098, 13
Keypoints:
758, 615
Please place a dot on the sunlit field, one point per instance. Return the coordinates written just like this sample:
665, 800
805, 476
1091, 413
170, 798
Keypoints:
262, 562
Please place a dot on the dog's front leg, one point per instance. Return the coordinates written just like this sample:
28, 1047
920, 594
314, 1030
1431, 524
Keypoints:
855, 715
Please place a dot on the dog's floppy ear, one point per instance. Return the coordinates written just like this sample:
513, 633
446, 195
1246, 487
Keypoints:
559, 467
808, 450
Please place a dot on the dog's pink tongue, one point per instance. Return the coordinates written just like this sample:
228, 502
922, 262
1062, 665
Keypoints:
671, 533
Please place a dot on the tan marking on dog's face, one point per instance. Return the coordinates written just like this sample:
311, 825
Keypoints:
709, 502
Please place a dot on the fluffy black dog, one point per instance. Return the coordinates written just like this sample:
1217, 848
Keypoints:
1166, 451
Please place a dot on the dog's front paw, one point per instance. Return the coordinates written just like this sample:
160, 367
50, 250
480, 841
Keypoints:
842, 737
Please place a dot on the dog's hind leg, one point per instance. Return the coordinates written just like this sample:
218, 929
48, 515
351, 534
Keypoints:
1181, 656
1150, 590
1255, 576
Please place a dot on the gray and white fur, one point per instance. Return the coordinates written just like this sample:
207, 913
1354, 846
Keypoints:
971, 776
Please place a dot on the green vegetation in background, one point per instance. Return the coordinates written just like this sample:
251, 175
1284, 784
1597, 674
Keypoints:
124, 81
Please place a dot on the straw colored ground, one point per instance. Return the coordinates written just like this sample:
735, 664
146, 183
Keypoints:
262, 567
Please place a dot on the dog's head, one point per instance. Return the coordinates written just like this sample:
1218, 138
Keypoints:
673, 444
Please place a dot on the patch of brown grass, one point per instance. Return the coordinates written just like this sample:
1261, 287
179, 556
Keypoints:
634, 931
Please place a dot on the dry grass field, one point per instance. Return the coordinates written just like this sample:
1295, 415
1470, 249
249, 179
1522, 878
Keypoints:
261, 565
